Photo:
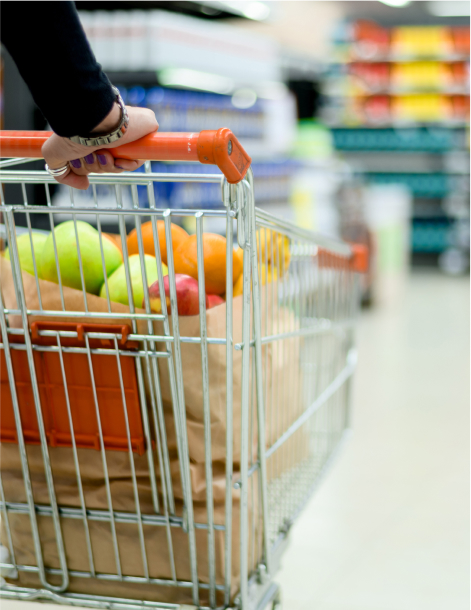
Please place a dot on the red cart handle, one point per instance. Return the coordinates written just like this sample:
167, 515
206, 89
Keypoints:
213, 147
81, 328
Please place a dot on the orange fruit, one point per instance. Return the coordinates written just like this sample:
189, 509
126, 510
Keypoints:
179, 235
214, 253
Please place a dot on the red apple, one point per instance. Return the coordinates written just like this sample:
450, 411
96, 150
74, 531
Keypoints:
213, 300
187, 295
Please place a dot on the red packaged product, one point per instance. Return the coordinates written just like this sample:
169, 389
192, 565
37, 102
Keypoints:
370, 40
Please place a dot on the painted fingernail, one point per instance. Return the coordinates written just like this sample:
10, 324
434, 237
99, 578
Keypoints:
101, 159
119, 166
89, 159
76, 163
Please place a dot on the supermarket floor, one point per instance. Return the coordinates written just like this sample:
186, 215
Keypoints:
389, 526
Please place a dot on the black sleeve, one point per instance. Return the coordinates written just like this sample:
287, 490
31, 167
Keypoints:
49, 46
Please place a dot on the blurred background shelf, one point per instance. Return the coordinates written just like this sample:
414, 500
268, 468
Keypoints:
396, 98
436, 138
431, 185
451, 58
397, 161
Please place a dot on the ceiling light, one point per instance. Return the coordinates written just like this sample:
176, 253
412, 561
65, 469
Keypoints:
449, 8
396, 3
194, 79
244, 98
256, 10
252, 9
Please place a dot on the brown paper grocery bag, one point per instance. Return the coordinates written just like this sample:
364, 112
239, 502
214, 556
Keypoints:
130, 555
282, 374
281, 370
122, 494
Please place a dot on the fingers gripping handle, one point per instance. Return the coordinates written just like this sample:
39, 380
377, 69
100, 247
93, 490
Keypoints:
212, 147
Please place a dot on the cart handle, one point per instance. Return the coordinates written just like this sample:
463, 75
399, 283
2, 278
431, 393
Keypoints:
358, 262
81, 328
212, 147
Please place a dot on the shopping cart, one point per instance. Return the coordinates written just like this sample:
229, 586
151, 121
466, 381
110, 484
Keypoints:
157, 460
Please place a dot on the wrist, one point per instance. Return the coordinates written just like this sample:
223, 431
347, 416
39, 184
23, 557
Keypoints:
113, 127
110, 122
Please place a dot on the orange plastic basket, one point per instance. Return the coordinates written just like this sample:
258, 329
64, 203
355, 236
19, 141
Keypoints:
80, 391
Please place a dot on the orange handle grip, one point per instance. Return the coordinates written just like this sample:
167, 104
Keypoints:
80, 328
213, 147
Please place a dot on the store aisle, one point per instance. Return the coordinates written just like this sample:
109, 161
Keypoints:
389, 526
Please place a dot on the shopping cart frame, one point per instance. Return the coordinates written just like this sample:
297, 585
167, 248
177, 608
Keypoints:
257, 589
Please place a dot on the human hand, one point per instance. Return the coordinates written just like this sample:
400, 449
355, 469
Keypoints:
83, 160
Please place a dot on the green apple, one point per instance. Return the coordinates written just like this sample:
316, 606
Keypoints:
117, 281
90, 253
25, 253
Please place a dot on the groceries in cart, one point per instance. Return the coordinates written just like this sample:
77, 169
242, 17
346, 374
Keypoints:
98, 261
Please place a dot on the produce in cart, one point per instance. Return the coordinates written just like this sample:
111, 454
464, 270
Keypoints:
25, 252
187, 296
70, 264
214, 253
117, 285
179, 235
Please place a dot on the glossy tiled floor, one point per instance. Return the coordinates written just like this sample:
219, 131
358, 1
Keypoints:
388, 528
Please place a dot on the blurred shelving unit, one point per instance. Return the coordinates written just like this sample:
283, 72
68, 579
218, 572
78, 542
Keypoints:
397, 101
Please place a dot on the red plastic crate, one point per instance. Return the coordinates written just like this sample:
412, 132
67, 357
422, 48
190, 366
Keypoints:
80, 391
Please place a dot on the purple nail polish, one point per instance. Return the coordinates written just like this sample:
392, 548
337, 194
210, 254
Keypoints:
89, 159
76, 163
101, 159
119, 166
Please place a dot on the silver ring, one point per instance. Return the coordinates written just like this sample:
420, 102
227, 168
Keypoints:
57, 172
